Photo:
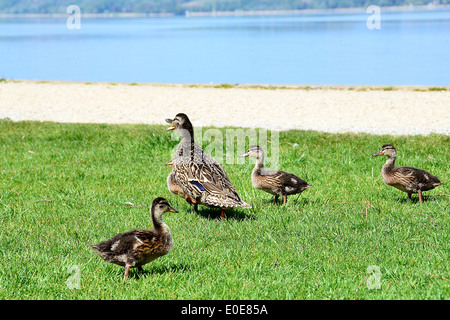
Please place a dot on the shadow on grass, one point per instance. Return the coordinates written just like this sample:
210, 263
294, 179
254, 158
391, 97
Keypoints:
415, 199
404, 199
291, 200
214, 213
303, 201
149, 270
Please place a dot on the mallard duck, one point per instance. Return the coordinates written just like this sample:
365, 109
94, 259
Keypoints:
175, 188
200, 176
278, 183
406, 179
135, 248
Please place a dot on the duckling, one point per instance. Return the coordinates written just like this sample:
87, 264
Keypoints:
135, 248
278, 183
200, 176
175, 188
406, 179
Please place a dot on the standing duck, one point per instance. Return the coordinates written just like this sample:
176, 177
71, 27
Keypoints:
278, 183
406, 179
200, 176
135, 248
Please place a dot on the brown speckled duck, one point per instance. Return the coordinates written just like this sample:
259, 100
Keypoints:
200, 176
406, 179
135, 248
278, 183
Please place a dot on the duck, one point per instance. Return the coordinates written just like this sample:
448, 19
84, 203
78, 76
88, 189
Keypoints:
175, 188
200, 176
137, 247
407, 179
275, 182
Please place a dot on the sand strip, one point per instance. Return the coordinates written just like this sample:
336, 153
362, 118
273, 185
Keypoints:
378, 110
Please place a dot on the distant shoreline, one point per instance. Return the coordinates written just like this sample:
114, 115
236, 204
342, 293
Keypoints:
220, 13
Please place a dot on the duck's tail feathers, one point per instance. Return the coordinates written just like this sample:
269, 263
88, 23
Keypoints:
245, 205
94, 246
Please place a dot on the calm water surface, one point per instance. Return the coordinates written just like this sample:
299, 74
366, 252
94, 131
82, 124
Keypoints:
412, 47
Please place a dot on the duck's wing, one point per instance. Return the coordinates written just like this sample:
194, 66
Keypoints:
291, 180
123, 243
420, 179
271, 178
218, 179
281, 179
212, 180
202, 178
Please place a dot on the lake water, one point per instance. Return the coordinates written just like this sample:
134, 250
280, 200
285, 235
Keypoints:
411, 48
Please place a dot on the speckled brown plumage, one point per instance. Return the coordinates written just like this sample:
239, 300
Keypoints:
137, 247
276, 182
175, 188
200, 176
407, 179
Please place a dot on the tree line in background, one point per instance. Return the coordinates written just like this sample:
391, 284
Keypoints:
181, 6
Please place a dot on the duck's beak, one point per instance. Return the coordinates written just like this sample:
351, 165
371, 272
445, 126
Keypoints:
170, 121
244, 154
379, 153
173, 210
170, 163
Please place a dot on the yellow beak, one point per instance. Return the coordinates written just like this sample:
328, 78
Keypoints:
379, 153
173, 210
170, 121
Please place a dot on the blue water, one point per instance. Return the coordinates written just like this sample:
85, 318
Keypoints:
412, 48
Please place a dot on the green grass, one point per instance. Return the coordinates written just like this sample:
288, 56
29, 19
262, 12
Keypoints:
67, 185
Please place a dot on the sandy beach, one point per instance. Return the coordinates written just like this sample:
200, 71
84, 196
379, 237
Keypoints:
377, 110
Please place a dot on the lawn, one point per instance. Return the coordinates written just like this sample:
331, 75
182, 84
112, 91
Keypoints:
67, 185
